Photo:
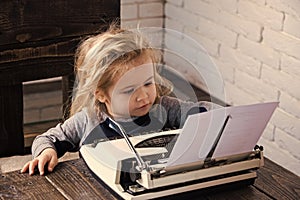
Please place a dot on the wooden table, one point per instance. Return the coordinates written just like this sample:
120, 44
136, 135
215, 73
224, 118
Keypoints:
73, 180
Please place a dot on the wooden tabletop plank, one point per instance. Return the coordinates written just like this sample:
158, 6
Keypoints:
22, 186
74, 181
278, 182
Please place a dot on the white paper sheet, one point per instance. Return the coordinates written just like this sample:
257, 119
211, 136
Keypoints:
241, 133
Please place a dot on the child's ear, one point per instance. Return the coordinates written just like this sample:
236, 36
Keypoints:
100, 95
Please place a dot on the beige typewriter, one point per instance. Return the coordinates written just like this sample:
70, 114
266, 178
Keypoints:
212, 149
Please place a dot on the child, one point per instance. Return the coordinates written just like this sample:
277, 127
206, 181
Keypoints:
117, 79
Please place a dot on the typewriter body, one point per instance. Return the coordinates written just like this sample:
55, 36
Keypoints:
214, 148
116, 165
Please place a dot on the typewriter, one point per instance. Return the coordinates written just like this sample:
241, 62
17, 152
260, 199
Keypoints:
164, 163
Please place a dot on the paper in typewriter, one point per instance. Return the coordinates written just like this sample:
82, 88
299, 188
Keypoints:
241, 133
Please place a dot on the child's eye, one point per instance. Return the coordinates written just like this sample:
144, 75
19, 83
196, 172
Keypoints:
129, 91
148, 83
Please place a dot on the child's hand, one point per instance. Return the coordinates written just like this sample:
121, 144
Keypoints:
48, 156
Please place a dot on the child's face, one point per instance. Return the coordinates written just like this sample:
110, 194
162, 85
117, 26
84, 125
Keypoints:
133, 93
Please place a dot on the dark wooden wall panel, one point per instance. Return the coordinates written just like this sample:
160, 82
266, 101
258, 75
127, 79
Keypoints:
38, 40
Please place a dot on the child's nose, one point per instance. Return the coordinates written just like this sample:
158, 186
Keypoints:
142, 94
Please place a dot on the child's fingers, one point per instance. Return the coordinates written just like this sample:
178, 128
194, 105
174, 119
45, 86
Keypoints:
52, 163
25, 167
32, 165
41, 165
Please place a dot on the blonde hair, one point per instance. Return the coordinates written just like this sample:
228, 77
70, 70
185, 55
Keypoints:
99, 59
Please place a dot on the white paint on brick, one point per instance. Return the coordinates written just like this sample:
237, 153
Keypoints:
240, 61
176, 2
129, 11
261, 90
226, 69
269, 132
282, 42
211, 46
287, 6
154, 9
225, 5
286, 141
181, 15
259, 51
174, 25
290, 104
281, 80
290, 65
261, 14
292, 25
238, 96
259, 2
201, 8
245, 27
216, 32
286, 122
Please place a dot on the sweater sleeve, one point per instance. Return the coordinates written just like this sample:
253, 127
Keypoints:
62, 138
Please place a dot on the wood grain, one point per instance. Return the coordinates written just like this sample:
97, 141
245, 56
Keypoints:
277, 182
74, 181
22, 186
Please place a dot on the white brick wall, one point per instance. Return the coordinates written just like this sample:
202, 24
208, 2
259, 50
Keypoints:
142, 13
255, 45
258, 55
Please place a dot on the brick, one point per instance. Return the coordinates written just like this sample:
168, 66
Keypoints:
290, 104
288, 142
129, 24
259, 51
146, 22
291, 6
268, 133
282, 42
213, 83
216, 32
209, 45
236, 23
175, 2
292, 25
225, 5
202, 8
281, 80
238, 96
240, 61
175, 44
173, 25
181, 15
256, 87
290, 65
259, 2
286, 122
226, 70
137, 1
129, 11
154, 9
261, 14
